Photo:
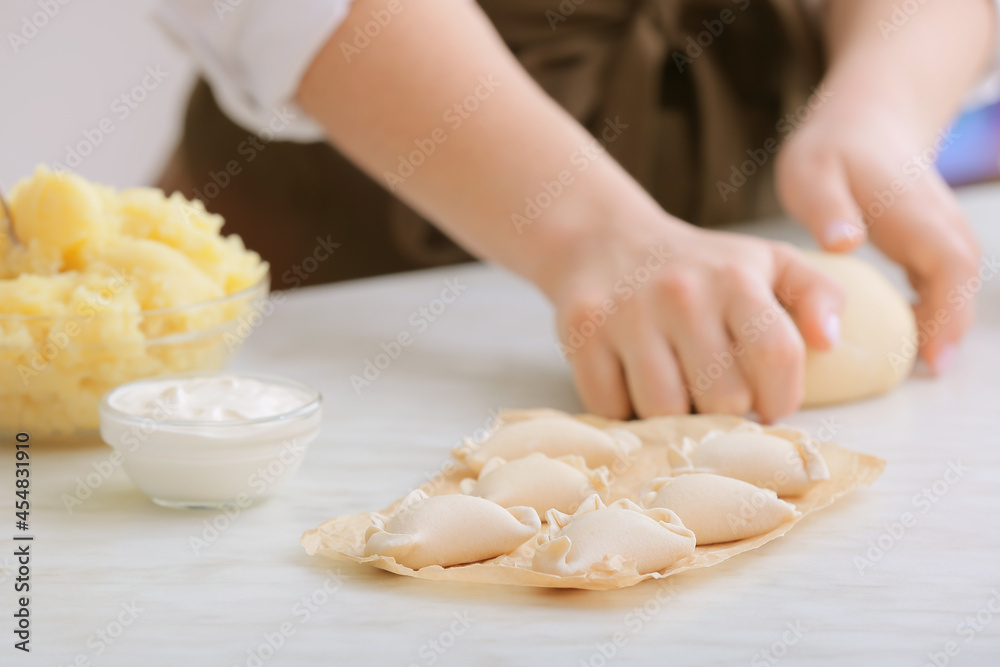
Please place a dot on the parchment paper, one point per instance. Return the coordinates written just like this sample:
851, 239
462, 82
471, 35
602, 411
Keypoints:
343, 536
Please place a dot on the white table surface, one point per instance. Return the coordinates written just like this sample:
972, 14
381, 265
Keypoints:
494, 348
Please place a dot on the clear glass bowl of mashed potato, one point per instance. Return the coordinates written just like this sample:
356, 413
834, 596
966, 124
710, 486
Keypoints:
102, 287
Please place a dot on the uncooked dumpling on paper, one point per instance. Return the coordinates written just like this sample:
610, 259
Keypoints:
606, 540
554, 437
449, 530
747, 453
539, 482
878, 334
719, 509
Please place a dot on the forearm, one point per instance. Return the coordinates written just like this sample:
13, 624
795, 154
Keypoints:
922, 63
486, 160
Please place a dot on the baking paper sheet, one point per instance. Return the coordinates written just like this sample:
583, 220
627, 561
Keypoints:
343, 536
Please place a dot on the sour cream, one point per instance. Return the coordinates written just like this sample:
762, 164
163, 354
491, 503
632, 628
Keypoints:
211, 398
210, 439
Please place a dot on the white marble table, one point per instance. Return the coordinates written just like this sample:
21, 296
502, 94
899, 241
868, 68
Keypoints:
118, 582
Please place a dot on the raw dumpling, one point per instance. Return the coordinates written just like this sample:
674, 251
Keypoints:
747, 453
719, 509
622, 536
878, 335
449, 530
554, 437
539, 482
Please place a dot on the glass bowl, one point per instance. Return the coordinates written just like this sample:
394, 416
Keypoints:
54, 370
183, 463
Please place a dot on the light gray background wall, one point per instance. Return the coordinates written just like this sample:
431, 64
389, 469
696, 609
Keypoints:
67, 78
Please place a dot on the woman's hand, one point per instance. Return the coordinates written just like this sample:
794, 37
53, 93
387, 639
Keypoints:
864, 163
657, 316
859, 169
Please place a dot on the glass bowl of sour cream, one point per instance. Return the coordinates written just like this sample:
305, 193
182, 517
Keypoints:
197, 440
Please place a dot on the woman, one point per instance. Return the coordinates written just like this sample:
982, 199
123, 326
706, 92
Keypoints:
701, 103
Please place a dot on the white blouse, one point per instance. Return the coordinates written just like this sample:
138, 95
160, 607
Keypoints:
254, 53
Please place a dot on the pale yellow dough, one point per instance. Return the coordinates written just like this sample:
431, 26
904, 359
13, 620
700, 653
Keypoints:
748, 453
449, 530
539, 482
719, 509
554, 437
617, 538
877, 346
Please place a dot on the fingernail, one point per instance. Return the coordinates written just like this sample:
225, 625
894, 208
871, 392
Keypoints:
831, 329
841, 232
944, 360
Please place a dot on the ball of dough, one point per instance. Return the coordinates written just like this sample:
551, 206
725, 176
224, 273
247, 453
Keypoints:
877, 336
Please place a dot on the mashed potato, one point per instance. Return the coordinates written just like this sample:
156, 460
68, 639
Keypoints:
82, 296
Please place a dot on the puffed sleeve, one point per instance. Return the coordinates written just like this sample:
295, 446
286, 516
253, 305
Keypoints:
254, 53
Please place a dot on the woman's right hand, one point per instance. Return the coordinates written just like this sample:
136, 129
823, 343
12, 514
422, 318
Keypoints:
656, 317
